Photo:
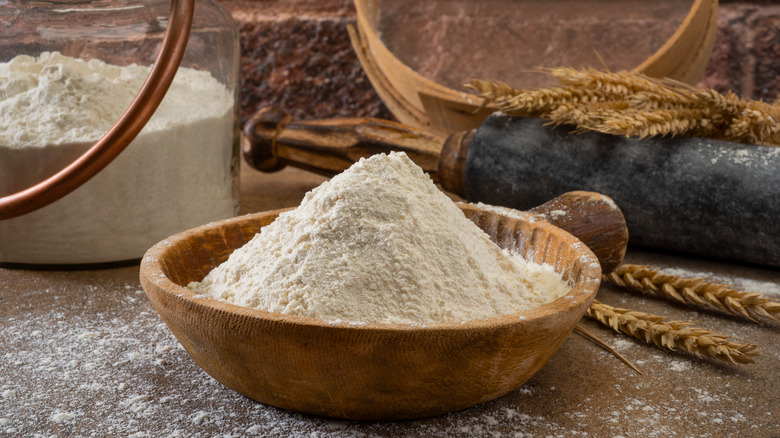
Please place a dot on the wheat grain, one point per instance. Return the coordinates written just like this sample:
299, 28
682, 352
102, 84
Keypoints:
543, 100
760, 121
673, 335
622, 83
493, 91
632, 104
537, 102
695, 291
659, 122
729, 103
584, 117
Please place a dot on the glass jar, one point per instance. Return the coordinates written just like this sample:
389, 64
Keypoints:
68, 70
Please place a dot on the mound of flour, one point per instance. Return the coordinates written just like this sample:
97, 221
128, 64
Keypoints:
379, 243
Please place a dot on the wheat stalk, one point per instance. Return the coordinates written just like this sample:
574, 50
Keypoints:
658, 122
729, 103
585, 117
695, 291
654, 329
632, 104
493, 91
620, 83
596, 340
532, 102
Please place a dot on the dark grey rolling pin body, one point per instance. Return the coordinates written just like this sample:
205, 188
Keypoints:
699, 196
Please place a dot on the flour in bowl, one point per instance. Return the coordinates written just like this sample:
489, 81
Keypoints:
379, 243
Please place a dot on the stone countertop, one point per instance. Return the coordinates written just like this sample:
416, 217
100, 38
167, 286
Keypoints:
82, 353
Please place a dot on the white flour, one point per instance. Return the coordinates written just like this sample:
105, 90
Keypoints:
175, 175
380, 243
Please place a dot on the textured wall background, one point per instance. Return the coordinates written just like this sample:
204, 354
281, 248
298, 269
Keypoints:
297, 56
746, 58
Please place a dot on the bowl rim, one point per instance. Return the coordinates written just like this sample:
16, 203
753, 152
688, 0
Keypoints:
583, 290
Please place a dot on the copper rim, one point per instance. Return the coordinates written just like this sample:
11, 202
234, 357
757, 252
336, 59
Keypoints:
124, 130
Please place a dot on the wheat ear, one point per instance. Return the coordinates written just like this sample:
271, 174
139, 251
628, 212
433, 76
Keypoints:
758, 122
695, 291
653, 329
532, 102
645, 106
642, 124
625, 84
492, 91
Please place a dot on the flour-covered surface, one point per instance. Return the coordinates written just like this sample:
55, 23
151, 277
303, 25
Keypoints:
83, 353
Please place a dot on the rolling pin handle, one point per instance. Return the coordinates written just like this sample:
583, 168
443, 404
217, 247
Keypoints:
272, 139
259, 146
452, 161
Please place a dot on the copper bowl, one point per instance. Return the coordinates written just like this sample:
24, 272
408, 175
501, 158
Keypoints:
366, 371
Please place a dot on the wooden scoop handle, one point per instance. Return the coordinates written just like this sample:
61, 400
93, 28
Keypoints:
594, 219
273, 140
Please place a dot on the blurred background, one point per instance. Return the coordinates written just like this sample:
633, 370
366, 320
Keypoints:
297, 56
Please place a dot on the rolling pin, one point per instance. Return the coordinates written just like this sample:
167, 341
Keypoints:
697, 196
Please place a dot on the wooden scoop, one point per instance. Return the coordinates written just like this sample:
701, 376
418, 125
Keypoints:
272, 140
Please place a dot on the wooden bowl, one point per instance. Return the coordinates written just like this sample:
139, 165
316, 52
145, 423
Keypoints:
366, 371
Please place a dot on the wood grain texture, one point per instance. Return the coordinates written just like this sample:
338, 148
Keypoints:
330, 146
452, 161
369, 371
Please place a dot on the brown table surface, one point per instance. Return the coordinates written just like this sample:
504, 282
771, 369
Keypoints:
82, 353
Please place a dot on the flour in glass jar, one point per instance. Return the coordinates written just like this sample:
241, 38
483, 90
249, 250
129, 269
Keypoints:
175, 175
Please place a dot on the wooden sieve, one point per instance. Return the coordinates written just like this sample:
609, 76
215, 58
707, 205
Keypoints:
423, 103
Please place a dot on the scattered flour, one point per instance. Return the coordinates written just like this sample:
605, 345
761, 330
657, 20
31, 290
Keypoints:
176, 174
380, 243
62, 417
704, 396
679, 366
623, 344
557, 214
